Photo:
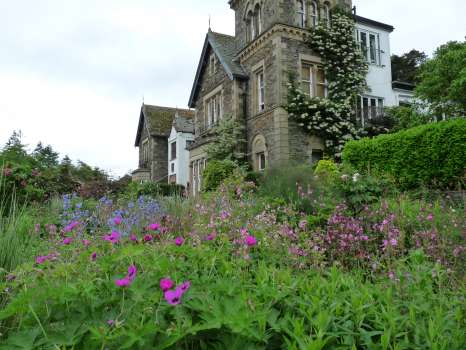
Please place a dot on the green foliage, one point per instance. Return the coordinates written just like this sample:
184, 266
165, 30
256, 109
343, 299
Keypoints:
405, 68
345, 70
229, 142
442, 80
216, 172
153, 189
405, 117
326, 168
432, 154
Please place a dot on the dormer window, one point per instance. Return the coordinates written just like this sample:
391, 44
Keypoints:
314, 14
302, 15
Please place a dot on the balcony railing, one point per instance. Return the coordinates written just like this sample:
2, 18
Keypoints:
368, 113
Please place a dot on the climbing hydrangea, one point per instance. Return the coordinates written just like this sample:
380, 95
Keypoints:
345, 70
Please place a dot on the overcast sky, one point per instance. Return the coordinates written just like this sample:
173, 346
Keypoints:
73, 72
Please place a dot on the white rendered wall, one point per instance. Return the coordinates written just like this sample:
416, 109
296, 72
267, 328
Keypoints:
379, 77
181, 163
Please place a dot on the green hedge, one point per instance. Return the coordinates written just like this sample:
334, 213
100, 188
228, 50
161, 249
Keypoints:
432, 154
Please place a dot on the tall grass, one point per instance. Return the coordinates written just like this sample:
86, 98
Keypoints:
15, 226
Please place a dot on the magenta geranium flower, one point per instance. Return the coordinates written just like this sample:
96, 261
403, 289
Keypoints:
173, 297
117, 220
166, 284
148, 238
133, 238
251, 241
67, 241
93, 256
86, 242
71, 226
126, 282
132, 270
42, 259
179, 241
154, 226
183, 287
114, 237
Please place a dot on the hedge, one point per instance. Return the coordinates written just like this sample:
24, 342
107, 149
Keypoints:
216, 172
432, 154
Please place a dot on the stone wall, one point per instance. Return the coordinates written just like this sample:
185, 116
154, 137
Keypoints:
159, 161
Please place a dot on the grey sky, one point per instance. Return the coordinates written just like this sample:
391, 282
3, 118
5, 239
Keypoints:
73, 73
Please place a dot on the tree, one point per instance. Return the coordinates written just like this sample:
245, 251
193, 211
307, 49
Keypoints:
442, 80
46, 156
405, 68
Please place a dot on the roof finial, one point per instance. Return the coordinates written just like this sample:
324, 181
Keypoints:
209, 23
142, 99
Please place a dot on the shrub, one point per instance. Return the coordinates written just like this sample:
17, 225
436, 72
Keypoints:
216, 172
326, 168
431, 154
406, 117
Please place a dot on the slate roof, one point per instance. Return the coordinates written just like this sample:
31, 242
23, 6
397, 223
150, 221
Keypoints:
159, 120
225, 48
183, 124
371, 22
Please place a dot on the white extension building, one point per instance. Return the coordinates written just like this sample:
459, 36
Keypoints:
374, 38
182, 134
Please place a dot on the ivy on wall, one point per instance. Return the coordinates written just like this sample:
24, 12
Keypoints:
345, 70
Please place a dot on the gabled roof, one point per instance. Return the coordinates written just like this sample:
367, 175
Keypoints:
158, 120
372, 23
183, 124
225, 48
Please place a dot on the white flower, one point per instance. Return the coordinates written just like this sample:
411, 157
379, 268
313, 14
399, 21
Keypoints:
356, 177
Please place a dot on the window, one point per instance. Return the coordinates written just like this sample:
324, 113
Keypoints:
314, 14
368, 108
213, 64
251, 34
261, 162
302, 13
260, 90
370, 46
173, 150
327, 14
313, 81
257, 20
317, 154
145, 154
172, 168
214, 109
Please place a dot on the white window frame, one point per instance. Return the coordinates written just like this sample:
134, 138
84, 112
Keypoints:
327, 14
260, 77
314, 14
372, 101
311, 80
367, 50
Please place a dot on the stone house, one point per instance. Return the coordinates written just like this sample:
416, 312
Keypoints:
154, 129
246, 76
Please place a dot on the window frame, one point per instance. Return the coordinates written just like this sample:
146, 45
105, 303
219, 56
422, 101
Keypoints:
173, 149
260, 90
314, 13
312, 81
370, 48
302, 12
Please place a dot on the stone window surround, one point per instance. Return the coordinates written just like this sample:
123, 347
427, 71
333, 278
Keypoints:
259, 147
256, 70
252, 17
197, 166
212, 64
310, 60
145, 145
216, 91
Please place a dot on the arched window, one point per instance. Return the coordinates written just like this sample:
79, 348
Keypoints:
259, 153
327, 13
314, 14
250, 26
302, 13
257, 20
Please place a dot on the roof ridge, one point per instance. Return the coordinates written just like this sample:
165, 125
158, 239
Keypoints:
171, 108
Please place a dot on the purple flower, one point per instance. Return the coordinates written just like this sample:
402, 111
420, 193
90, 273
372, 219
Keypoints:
132, 270
154, 226
210, 237
430, 217
166, 284
173, 297
133, 238
179, 241
67, 241
7, 172
111, 323
71, 226
114, 237
183, 287
148, 238
10, 277
251, 241
117, 220
42, 259
86, 242
93, 256
124, 282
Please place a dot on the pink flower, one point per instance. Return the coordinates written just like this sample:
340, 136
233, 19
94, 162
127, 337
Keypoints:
183, 287
117, 220
173, 297
210, 237
7, 172
148, 238
243, 231
251, 241
86, 242
41, 259
111, 323
179, 241
393, 242
166, 284
93, 256
67, 241
132, 270
430, 217
133, 238
114, 237
125, 282
154, 227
